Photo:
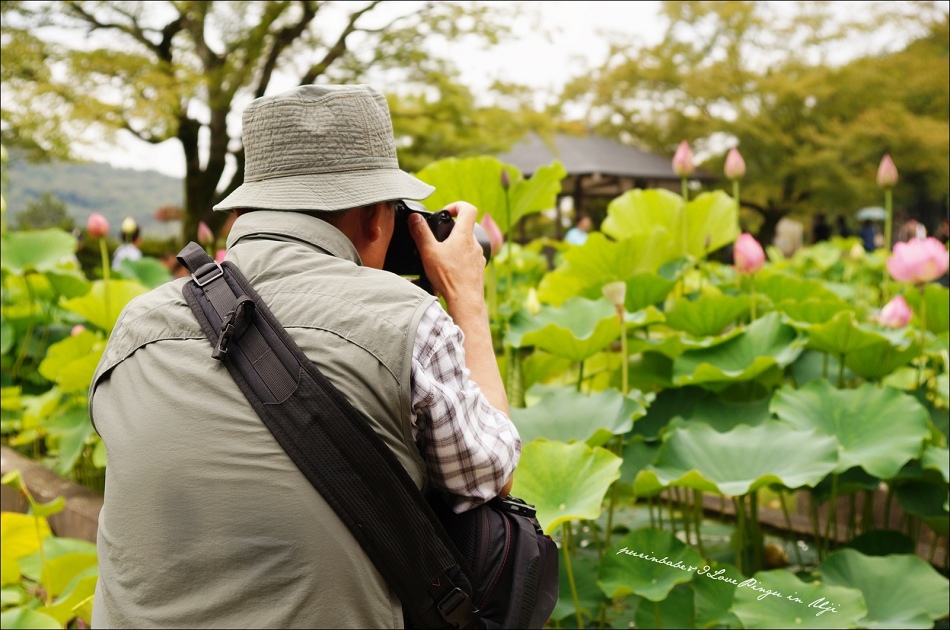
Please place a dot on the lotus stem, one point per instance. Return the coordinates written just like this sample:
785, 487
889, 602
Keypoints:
831, 524
580, 375
841, 371
698, 501
754, 531
739, 503
30, 324
922, 359
566, 537
867, 521
889, 219
788, 526
656, 614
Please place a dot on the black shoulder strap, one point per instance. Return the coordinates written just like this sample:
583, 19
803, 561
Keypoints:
333, 445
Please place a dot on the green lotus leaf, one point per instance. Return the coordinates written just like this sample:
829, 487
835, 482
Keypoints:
744, 459
601, 260
35, 250
7, 335
811, 310
623, 573
69, 283
943, 387
863, 421
766, 343
541, 367
713, 597
147, 270
77, 598
674, 611
780, 286
936, 310
70, 362
876, 361
842, 334
28, 618
478, 181
637, 455
707, 222
724, 414
937, 458
650, 371
578, 330
589, 595
850, 481
882, 542
565, 481
100, 311
901, 591
646, 289
667, 404
815, 604
708, 315
571, 416
71, 427
926, 499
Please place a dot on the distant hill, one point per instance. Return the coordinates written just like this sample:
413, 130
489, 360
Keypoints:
89, 187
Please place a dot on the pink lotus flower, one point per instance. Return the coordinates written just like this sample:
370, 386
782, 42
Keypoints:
895, 313
220, 255
918, 260
77, 330
97, 225
683, 160
748, 254
735, 165
886, 172
205, 235
505, 179
495, 237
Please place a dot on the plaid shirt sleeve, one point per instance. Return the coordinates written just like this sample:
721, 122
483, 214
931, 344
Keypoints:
471, 449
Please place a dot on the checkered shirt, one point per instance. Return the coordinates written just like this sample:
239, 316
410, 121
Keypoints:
471, 449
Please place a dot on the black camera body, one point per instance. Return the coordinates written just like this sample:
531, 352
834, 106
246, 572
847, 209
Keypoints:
403, 257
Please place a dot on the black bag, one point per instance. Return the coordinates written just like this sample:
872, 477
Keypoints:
490, 567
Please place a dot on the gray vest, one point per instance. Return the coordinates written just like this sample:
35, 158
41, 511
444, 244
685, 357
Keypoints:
206, 521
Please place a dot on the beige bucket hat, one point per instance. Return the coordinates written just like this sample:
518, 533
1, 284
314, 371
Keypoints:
320, 147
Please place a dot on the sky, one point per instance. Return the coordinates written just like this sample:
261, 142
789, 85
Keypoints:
530, 60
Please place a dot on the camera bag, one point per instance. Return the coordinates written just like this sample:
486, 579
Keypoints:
490, 567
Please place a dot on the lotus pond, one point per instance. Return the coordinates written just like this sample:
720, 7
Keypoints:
667, 403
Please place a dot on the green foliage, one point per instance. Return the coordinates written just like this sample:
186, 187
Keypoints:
47, 212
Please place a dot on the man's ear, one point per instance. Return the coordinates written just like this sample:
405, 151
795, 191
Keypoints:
371, 219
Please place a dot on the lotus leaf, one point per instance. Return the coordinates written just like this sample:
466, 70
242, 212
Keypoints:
646, 289
714, 597
675, 611
70, 362
765, 344
876, 361
901, 591
7, 335
744, 459
22, 534
568, 416
725, 414
878, 429
147, 270
707, 222
938, 459
589, 595
844, 334
637, 455
71, 427
668, 403
565, 481
36, 250
68, 282
928, 500
622, 572
76, 601
578, 330
600, 260
708, 315
478, 181
28, 618
541, 366
816, 604
937, 307
943, 387
93, 306
850, 481
812, 311
780, 286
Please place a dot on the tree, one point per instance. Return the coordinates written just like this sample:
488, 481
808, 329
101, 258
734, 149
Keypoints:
46, 212
811, 125
183, 70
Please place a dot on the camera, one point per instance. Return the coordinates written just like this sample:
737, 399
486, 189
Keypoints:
403, 257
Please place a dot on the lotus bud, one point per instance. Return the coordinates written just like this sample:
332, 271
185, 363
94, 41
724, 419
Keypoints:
895, 313
128, 226
505, 180
615, 292
78, 329
205, 235
748, 254
856, 252
532, 303
97, 225
683, 160
495, 237
735, 165
918, 260
220, 255
886, 172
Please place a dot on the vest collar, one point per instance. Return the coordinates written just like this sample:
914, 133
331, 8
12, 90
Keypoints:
294, 226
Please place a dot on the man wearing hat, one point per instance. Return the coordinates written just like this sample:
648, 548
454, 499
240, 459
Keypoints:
206, 520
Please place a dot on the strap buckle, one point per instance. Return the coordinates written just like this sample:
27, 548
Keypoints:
457, 609
235, 323
207, 273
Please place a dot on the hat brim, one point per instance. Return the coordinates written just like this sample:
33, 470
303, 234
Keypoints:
326, 192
